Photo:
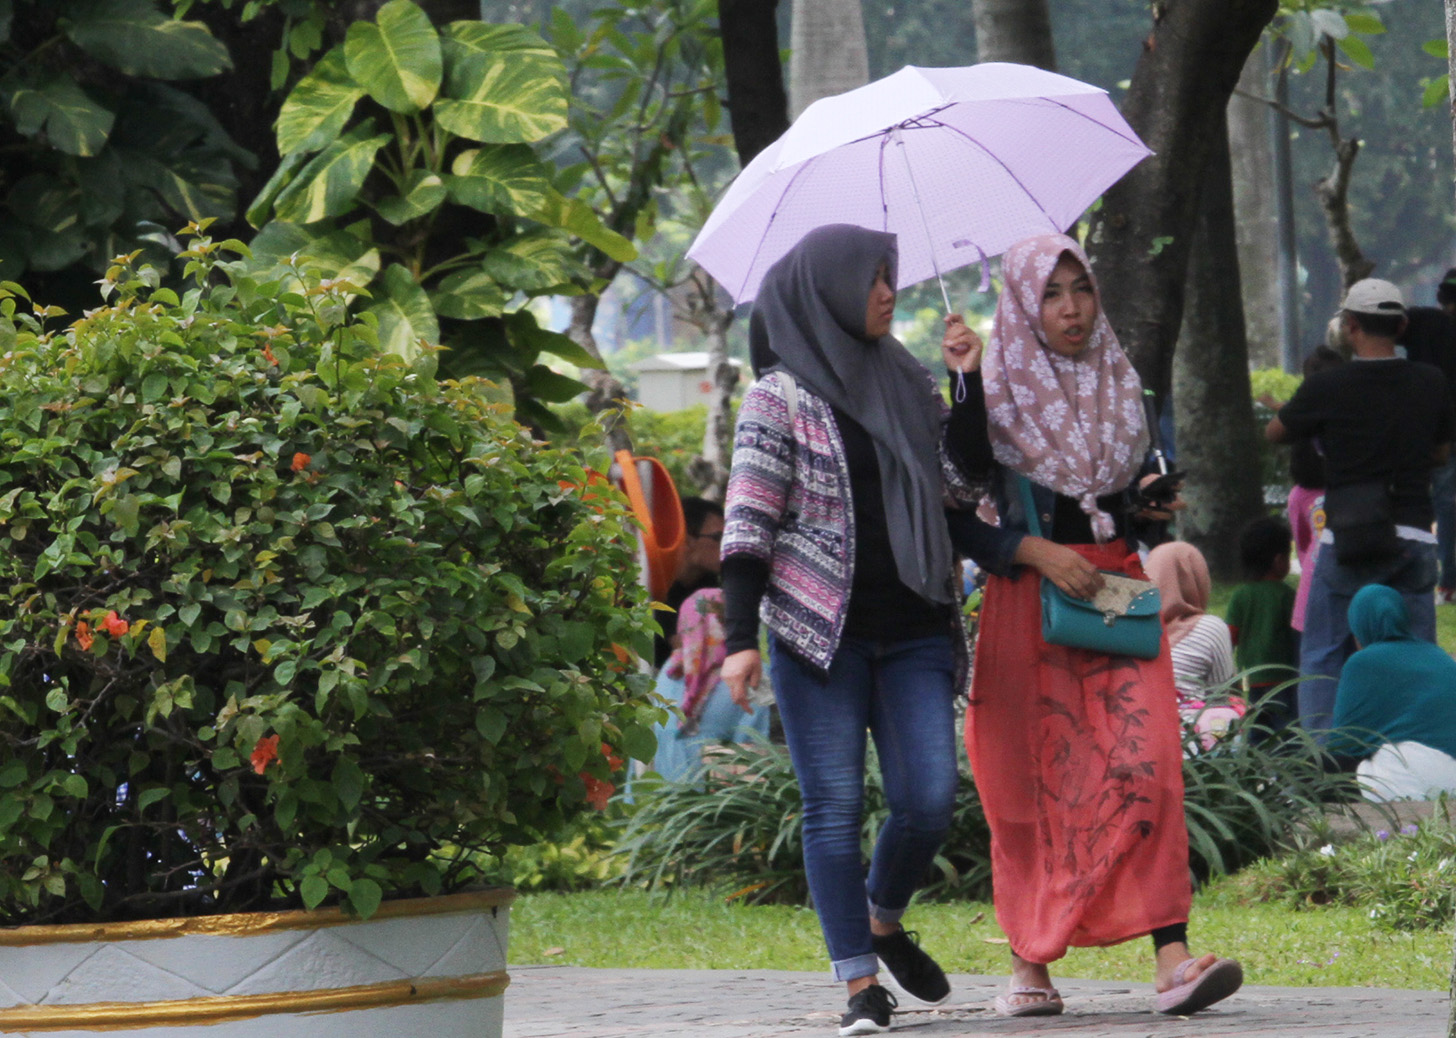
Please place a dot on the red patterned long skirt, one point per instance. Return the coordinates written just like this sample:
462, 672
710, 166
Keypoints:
1078, 762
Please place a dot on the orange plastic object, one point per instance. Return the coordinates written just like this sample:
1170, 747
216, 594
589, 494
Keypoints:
653, 497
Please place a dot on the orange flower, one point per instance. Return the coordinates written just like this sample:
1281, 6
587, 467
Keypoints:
598, 791
300, 461
613, 761
264, 753
114, 625
83, 635
268, 354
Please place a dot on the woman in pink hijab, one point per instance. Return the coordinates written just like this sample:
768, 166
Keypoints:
1201, 649
1077, 755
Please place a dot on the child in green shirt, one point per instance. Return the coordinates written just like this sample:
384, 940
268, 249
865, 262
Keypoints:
1259, 614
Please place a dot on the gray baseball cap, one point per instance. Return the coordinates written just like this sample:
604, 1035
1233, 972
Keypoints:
1374, 296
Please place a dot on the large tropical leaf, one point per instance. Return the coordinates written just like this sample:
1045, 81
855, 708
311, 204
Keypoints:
424, 192
140, 40
322, 248
503, 85
319, 107
191, 191
397, 58
469, 295
71, 121
545, 384
262, 207
574, 215
503, 178
48, 214
406, 318
330, 183
533, 263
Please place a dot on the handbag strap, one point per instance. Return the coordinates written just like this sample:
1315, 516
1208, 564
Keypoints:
1033, 524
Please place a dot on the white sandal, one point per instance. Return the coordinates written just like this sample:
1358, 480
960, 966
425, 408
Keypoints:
1049, 1004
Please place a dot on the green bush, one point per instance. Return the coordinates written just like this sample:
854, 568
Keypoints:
741, 832
286, 622
1403, 879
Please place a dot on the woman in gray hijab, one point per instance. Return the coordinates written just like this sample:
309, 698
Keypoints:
836, 539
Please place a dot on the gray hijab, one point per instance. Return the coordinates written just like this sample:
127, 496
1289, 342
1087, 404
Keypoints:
809, 320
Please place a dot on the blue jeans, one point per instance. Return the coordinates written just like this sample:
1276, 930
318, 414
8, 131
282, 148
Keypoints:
1327, 642
1443, 497
902, 693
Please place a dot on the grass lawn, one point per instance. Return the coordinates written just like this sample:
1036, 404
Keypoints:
628, 929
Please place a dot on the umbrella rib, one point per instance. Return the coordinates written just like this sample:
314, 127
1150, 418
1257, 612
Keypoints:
773, 216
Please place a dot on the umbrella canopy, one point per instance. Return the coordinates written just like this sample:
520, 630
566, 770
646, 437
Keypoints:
960, 163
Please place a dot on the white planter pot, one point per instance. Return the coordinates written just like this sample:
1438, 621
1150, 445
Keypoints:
431, 966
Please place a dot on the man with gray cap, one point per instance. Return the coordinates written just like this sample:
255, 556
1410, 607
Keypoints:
1382, 422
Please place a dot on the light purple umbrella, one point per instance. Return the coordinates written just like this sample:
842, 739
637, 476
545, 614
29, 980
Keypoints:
961, 163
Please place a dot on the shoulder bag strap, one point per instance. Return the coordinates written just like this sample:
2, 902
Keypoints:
1033, 524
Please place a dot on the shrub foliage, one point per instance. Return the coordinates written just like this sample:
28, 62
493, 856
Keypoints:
285, 621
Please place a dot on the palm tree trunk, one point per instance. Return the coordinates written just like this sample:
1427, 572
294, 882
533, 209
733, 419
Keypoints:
829, 53
1014, 30
1213, 411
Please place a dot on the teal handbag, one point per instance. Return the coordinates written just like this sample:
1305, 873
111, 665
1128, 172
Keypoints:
1122, 619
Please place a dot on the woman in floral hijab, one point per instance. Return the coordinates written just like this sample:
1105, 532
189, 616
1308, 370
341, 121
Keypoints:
1076, 754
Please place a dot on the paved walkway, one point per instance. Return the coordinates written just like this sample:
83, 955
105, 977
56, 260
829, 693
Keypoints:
576, 1002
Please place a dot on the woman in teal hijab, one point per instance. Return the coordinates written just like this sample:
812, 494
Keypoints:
1397, 698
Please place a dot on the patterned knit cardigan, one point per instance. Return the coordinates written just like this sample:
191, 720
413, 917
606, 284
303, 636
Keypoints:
788, 504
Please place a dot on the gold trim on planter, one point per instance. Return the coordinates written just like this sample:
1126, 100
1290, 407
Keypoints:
244, 924
100, 1016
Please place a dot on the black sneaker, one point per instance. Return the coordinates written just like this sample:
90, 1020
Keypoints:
869, 1012
915, 972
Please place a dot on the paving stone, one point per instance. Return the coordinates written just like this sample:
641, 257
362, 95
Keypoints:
576, 1002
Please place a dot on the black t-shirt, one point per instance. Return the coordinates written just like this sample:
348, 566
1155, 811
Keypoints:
1430, 337
1377, 420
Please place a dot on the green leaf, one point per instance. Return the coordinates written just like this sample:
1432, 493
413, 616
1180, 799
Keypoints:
499, 86
574, 215
262, 206
1367, 23
531, 340
1436, 48
330, 252
506, 178
348, 782
545, 384
424, 192
1438, 89
364, 897
313, 890
330, 183
1358, 51
396, 59
318, 108
405, 314
136, 38
469, 295
61, 110
531, 263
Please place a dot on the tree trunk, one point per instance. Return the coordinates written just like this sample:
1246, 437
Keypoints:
709, 312
1333, 193
1256, 211
1211, 384
1014, 30
607, 398
829, 53
1142, 236
758, 107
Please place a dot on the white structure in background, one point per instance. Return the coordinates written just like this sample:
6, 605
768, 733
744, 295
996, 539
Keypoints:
674, 381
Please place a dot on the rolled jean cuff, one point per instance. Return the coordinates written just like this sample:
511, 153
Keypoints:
858, 966
885, 915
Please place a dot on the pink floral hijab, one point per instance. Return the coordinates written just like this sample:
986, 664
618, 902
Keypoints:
1074, 424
